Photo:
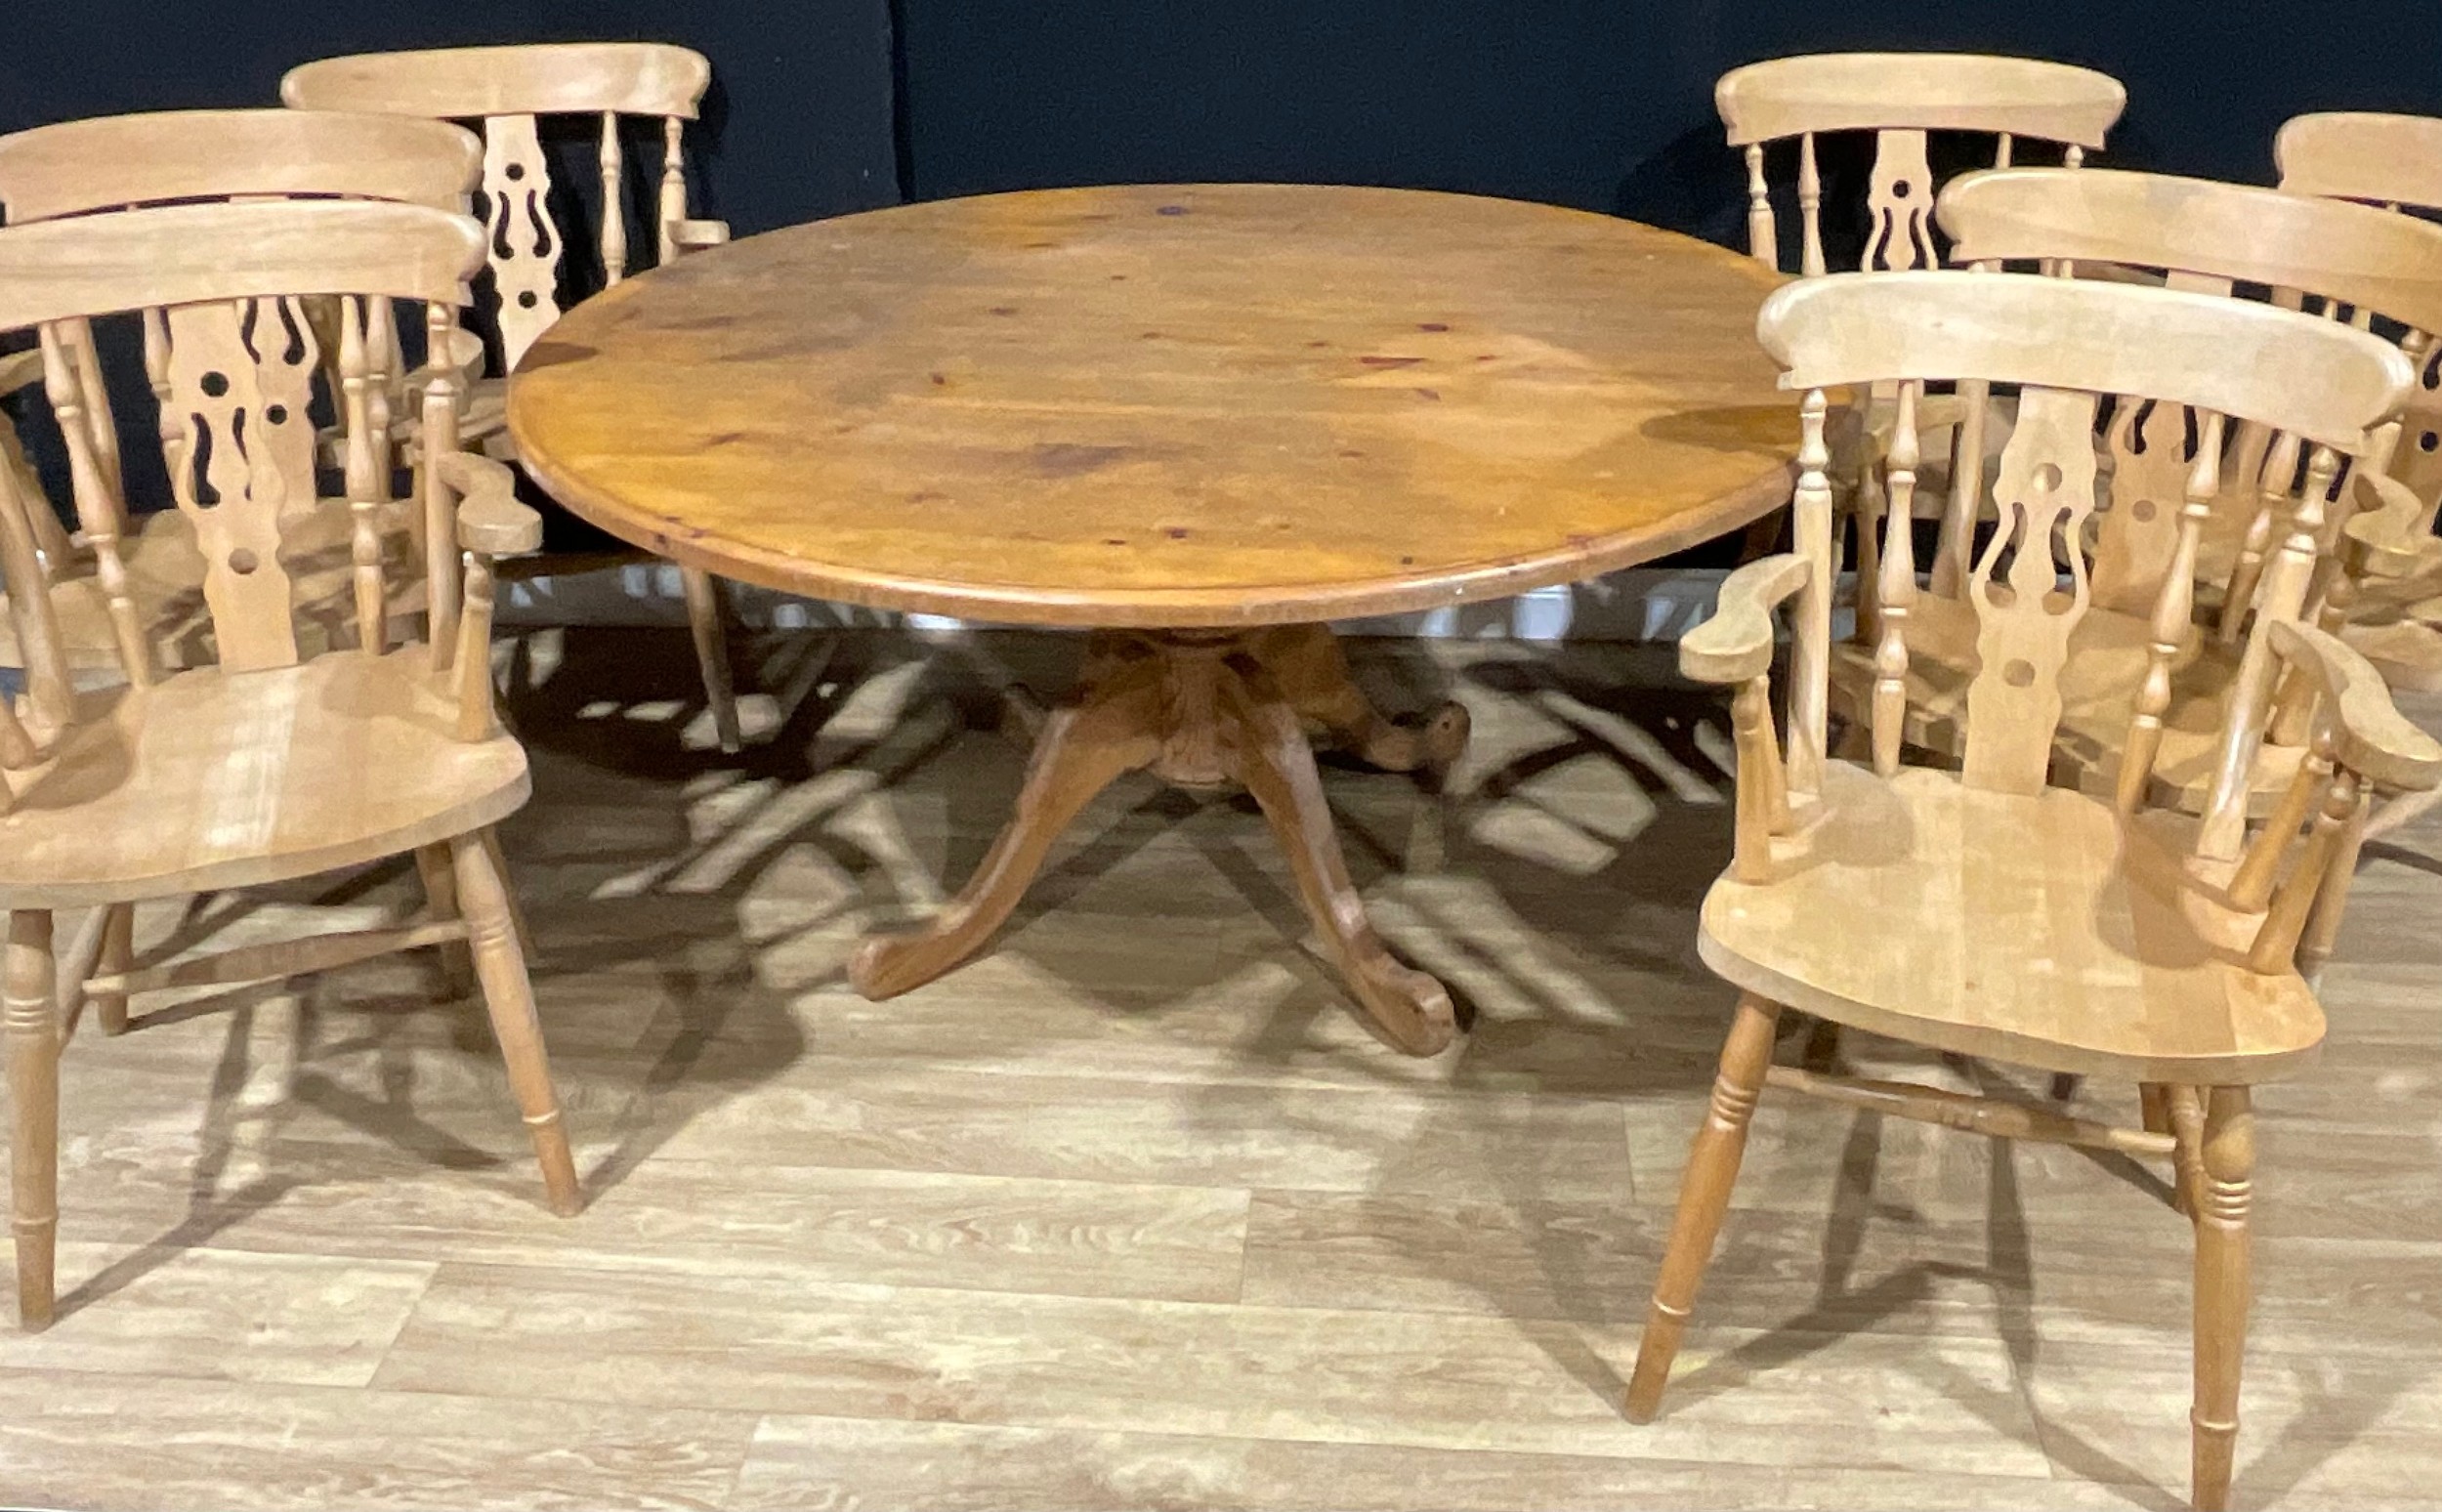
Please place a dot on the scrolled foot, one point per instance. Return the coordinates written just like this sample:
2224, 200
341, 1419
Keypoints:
1412, 1009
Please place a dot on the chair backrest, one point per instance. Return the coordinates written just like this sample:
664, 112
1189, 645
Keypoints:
506, 88
2394, 162
1900, 96
116, 162
2384, 159
239, 368
2067, 345
2209, 238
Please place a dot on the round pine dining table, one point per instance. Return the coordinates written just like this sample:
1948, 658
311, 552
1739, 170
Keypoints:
1197, 421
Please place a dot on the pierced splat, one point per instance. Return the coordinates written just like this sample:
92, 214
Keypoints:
278, 332
227, 477
523, 246
2045, 493
1900, 203
2137, 536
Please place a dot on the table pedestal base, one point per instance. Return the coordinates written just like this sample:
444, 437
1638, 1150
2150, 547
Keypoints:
1204, 709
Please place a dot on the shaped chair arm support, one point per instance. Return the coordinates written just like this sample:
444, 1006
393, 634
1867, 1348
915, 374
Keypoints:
2370, 736
490, 522
490, 519
1735, 647
1735, 644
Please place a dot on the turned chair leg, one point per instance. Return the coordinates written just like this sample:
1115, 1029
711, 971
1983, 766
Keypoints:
1713, 1167
500, 965
2222, 1288
118, 955
32, 1029
441, 893
710, 627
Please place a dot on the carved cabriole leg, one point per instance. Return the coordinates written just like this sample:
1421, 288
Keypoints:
118, 954
500, 965
1200, 709
441, 893
709, 626
1713, 1167
1312, 671
1269, 754
32, 1030
1111, 727
2222, 1290
1307, 665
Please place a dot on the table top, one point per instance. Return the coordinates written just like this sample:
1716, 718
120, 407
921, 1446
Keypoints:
1169, 406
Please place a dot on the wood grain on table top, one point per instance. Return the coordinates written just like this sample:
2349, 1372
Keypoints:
1170, 405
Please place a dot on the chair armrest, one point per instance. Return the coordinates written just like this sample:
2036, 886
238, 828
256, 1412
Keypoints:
1735, 644
2370, 734
490, 519
19, 369
696, 235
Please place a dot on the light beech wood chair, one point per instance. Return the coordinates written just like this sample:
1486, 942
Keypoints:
506, 89
77, 168
2394, 162
1986, 912
117, 162
2198, 235
273, 762
1902, 99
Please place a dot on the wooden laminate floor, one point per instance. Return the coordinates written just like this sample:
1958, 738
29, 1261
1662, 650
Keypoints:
1131, 1213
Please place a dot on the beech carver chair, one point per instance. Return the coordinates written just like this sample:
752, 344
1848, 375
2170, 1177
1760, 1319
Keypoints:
76, 168
1986, 912
2394, 162
2208, 238
506, 89
272, 763
1902, 99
